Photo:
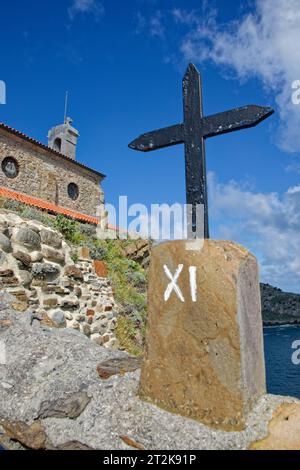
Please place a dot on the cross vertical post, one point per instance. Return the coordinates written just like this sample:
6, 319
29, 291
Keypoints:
195, 164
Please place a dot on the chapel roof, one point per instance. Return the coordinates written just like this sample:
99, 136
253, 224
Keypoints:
49, 149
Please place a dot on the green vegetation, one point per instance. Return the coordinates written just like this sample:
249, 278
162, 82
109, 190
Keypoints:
128, 278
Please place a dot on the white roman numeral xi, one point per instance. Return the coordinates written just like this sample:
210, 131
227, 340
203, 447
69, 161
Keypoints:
174, 286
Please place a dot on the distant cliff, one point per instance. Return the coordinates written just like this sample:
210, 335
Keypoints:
279, 307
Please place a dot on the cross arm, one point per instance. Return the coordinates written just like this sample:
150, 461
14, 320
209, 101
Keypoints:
235, 119
158, 139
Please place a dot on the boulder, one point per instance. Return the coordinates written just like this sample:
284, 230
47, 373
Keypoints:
45, 271
85, 329
36, 256
3, 257
25, 277
284, 429
69, 302
53, 255
8, 278
5, 244
58, 317
50, 302
51, 238
204, 344
57, 399
74, 273
23, 257
26, 237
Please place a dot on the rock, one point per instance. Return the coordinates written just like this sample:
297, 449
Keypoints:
104, 323
53, 255
74, 324
100, 268
118, 366
32, 436
96, 328
45, 271
69, 302
25, 277
204, 347
10, 218
72, 445
85, 329
51, 238
48, 367
132, 443
68, 316
36, 256
50, 302
69, 406
19, 294
79, 317
107, 308
284, 429
3, 257
78, 291
84, 252
139, 251
28, 238
4, 324
105, 338
5, 244
25, 258
8, 279
19, 306
49, 289
6, 385
58, 317
96, 338
74, 273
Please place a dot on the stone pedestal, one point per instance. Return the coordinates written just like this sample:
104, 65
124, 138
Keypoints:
204, 346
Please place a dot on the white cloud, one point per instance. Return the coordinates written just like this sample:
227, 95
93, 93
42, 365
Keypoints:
152, 25
266, 223
156, 25
263, 44
92, 7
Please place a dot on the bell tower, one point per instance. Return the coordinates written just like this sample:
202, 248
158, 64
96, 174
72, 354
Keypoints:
63, 138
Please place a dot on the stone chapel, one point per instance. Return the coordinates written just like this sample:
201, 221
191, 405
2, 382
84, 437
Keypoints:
49, 176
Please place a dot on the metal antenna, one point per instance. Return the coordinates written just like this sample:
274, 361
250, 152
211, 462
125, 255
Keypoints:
66, 107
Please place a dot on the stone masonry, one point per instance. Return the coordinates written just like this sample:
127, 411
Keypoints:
204, 345
37, 269
46, 175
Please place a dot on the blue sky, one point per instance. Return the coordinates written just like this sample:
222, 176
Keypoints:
123, 64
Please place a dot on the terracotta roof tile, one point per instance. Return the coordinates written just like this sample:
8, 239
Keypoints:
41, 204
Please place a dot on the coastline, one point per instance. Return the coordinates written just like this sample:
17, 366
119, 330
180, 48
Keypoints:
281, 323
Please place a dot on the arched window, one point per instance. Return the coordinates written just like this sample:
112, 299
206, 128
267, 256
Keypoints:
10, 167
73, 191
57, 144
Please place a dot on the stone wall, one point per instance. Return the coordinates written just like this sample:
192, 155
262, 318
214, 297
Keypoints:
45, 175
37, 269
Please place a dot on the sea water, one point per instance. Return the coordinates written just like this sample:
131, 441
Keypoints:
283, 376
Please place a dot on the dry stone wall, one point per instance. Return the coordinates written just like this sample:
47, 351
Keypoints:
37, 269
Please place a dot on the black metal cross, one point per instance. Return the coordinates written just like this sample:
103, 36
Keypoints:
193, 132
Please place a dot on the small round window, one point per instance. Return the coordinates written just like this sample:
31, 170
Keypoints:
10, 167
73, 191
